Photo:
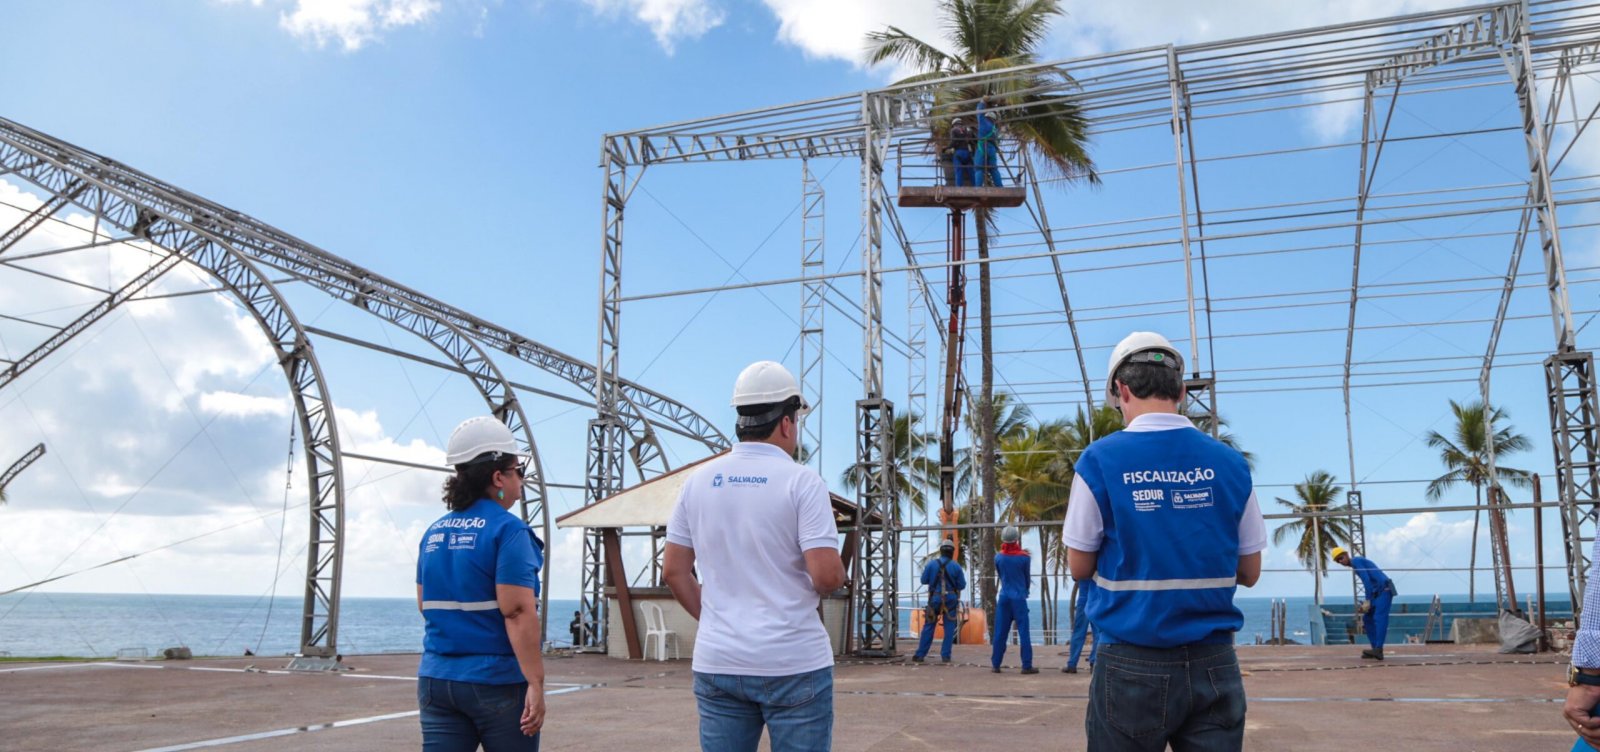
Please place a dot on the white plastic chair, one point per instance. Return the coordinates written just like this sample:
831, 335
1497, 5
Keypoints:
655, 628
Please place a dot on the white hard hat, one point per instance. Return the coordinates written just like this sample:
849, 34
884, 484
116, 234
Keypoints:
1011, 534
1134, 344
479, 436
766, 382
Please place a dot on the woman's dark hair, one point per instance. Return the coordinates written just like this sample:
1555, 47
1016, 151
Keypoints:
471, 481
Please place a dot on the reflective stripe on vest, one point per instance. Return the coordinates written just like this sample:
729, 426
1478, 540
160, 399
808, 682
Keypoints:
1199, 584
460, 606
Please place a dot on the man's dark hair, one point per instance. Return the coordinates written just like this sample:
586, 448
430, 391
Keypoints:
1148, 380
761, 432
471, 481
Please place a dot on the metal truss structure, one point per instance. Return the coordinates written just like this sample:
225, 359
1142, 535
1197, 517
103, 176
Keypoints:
1526, 53
28, 458
171, 227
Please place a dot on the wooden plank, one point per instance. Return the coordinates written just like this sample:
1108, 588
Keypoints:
619, 581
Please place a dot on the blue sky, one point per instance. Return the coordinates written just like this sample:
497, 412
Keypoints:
452, 145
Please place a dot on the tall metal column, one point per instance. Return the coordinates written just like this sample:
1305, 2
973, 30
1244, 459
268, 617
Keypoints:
1200, 400
917, 410
875, 581
813, 203
1569, 373
606, 450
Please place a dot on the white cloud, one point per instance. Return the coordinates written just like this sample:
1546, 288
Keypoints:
671, 21
353, 23
236, 405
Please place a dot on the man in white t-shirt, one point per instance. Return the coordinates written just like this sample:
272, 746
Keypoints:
759, 527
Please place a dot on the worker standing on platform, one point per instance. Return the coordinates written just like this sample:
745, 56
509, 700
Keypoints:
1164, 520
963, 142
1015, 568
945, 580
1080, 630
988, 154
1380, 597
481, 679
760, 528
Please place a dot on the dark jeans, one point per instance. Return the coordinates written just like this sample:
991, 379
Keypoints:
1191, 697
797, 711
458, 716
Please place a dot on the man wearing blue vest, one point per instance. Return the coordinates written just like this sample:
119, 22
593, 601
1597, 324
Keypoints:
945, 581
1164, 520
1013, 566
1380, 592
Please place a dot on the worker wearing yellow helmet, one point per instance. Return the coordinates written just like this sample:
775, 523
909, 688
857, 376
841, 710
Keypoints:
1380, 592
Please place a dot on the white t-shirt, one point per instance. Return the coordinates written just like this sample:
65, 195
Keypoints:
1084, 529
749, 516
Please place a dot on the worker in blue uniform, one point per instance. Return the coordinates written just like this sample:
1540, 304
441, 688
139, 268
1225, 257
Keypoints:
963, 141
1014, 567
945, 580
1080, 630
987, 157
481, 678
1380, 592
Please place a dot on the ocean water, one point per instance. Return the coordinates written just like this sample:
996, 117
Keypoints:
43, 624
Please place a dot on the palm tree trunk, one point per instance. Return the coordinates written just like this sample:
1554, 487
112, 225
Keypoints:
986, 438
1472, 562
1046, 618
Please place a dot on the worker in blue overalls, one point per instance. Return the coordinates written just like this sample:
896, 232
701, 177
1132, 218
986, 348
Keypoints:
1380, 597
963, 141
945, 581
1014, 567
1080, 630
987, 158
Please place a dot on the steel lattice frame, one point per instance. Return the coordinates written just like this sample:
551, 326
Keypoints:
231, 247
1170, 87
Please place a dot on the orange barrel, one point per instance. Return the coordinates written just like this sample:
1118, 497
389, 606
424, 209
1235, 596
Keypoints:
974, 626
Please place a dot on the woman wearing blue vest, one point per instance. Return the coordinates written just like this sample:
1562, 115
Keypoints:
481, 680
1164, 519
1013, 565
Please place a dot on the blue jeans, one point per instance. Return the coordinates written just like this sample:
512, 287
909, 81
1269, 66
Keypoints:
1191, 697
797, 711
1376, 621
1080, 632
925, 639
1006, 611
458, 716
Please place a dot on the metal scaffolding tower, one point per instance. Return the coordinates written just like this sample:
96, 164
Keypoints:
813, 240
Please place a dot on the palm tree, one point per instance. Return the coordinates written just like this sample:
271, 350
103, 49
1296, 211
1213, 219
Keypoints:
991, 35
1036, 484
915, 473
1317, 535
1204, 421
1466, 454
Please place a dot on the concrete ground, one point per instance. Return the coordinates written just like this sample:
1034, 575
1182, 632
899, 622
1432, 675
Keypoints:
1301, 698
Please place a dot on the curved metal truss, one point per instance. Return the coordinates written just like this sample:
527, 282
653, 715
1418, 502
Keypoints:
235, 248
307, 386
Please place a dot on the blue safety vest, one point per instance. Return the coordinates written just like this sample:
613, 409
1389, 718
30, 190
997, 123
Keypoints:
461, 558
1170, 502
